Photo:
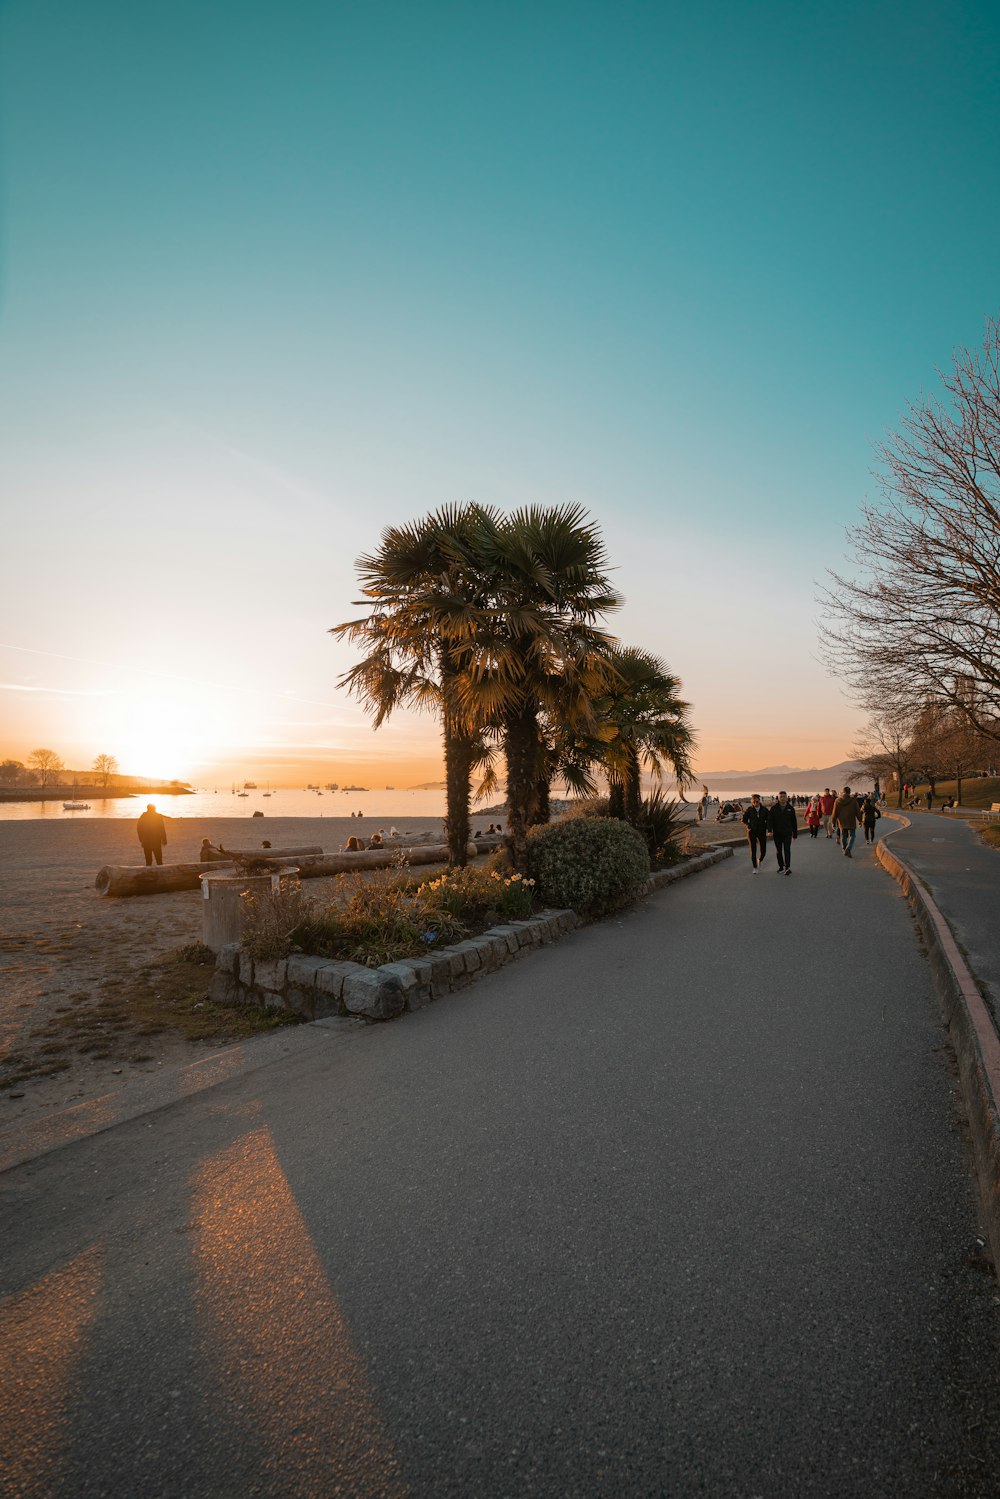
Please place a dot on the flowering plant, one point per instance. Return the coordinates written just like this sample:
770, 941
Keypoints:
474, 895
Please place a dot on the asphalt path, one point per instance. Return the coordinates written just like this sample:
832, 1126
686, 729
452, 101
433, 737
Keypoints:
678, 1206
963, 875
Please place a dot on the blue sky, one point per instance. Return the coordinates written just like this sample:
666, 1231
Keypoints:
274, 277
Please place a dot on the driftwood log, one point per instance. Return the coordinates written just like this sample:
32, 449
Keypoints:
159, 879
270, 853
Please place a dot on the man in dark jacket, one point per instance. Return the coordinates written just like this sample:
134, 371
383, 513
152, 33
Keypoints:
784, 826
152, 832
755, 822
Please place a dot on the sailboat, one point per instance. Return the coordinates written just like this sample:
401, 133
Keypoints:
76, 805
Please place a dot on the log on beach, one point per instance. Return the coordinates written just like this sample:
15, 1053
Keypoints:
270, 853
154, 879
159, 879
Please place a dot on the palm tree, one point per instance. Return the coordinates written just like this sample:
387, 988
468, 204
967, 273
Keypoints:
538, 655
646, 723
424, 587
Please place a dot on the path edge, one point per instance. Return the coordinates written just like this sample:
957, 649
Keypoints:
971, 1032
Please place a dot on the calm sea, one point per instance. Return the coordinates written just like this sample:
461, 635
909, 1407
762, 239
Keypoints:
203, 804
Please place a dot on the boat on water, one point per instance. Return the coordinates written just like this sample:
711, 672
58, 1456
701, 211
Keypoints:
76, 805
249, 785
242, 793
356, 788
332, 786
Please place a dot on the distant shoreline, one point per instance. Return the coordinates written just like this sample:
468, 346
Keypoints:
85, 793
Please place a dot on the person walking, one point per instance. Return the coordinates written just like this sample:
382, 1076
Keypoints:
826, 802
152, 832
845, 820
783, 825
755, 822
870, 815
814, 816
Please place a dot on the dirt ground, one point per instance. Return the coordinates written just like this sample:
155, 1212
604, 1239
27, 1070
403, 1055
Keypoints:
91, 989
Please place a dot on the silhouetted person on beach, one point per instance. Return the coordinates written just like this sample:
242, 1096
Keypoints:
152, 832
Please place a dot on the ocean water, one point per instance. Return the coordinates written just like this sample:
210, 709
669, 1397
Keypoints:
223, 803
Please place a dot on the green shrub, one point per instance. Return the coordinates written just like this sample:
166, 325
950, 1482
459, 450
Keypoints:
665, 833
588, 806
591, 864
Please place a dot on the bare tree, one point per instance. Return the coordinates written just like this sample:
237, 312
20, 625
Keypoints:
920, 619
933, 727
47, 763
106, 766
10, 772
884, 751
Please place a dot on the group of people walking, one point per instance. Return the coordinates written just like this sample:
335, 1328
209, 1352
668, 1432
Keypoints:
839, 817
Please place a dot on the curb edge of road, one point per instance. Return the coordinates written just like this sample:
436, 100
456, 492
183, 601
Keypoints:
970, 1029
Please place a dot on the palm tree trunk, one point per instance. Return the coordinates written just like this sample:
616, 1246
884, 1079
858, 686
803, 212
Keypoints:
633, 790
542, 812
616, 800
521, 752
458, 788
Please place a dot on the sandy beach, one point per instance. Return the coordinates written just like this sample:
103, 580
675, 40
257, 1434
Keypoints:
61, 941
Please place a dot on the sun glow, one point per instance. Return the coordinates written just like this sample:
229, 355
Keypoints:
168, 736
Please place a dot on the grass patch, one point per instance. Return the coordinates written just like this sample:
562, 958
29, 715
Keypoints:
165, 998
976, 792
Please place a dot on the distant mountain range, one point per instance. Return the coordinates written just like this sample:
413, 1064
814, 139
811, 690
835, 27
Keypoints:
782, 778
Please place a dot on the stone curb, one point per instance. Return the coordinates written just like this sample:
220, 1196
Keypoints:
691, 866
317, 988
971, 1031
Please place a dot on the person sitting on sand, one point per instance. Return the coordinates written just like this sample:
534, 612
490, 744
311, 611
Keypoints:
375, 841
353, 846
209, 853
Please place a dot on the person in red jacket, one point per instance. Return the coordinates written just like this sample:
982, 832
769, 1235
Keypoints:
814, 816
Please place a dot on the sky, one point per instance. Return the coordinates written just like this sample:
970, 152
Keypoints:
275, 277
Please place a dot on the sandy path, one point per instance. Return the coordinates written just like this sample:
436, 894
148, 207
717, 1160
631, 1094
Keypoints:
60, 939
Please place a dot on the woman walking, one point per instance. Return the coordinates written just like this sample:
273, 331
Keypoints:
814, 816
755, 822
870, 815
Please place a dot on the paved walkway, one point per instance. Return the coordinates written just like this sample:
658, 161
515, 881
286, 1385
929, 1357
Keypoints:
676, 1207
963, 875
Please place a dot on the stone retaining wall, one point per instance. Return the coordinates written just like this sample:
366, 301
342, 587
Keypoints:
315, 988
971, 1031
